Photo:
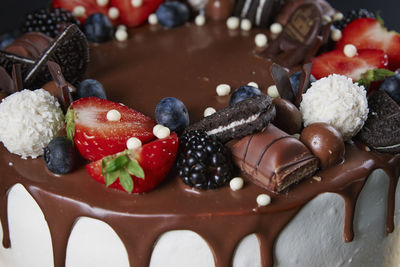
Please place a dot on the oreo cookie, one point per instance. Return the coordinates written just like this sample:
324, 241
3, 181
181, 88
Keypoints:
69, 50
244, 118
381, 131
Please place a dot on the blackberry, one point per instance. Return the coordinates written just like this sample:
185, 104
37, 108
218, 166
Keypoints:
203, 161
48, 21
352, 15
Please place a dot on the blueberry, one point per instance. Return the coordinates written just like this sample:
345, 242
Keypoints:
172, 14
59, 155
98, 28
6, 39
391, 85
295, 79
242, 93
89, 88
172, 113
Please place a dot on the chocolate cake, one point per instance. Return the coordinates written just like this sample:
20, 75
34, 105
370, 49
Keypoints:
344, 215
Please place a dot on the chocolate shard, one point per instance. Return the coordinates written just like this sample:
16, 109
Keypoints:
17, 77
281, 78
6, 82
246, 117
69, 50
64, 94
305, 80
273, 159
381, 131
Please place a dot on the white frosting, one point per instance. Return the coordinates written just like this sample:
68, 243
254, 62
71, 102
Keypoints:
29, 121
313, 238
336, 100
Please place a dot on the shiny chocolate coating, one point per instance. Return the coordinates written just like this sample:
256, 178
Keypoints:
30, 45
325, 142
288, 116
219, 9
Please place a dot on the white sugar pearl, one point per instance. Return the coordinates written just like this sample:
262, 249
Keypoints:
133, 143
136, 3
113, 13
232, 23
261, 40
253, 84
338, 16
272, 91
79, 11
160, 131
102, 2
223, 89
121, 35
276, 28
350, 50
113, 115
122, 27
200, 20
336, 35
153, 20
236, 183
326, 18
263, 200
245, 25
209, 111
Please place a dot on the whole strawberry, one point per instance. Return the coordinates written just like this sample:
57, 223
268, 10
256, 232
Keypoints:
92, 125
139, 170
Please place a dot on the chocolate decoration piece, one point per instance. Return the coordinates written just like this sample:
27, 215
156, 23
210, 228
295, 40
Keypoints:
304, 82
288, 116
260, 13
246, 117
325, 142
30, 45
273, 159
6, 83
64, 93
381, 131
17, 77
219, 9
281, 78
292, 5
299, 39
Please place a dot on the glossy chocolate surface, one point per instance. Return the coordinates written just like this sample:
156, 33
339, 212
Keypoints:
188, 63
288, 116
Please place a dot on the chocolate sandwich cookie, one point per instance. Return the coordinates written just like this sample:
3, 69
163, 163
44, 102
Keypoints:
273, 159
246, 117
381, 131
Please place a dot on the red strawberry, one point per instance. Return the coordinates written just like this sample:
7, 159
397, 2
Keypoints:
90, 6
96, 137
133, 16
336, 62
368, 33
139, 170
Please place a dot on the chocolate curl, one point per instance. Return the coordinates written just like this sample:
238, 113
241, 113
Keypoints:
17, 77
65, 95
281, 78
6, 83
305, 80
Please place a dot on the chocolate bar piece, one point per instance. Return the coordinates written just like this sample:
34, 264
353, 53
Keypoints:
273, 159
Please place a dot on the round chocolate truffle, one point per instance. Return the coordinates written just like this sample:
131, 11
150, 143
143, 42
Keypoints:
52, 88
219, 9
288, 116
325, 142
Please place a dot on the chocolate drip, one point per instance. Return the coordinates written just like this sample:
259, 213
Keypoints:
140, 219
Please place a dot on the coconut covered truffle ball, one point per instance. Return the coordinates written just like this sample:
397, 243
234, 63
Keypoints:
337, 101
29, 121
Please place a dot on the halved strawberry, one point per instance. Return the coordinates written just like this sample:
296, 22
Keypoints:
368, 33
96, 137
133, 16
90, 6
336, 62
137, 171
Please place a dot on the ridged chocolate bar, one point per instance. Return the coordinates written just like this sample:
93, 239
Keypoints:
273, 159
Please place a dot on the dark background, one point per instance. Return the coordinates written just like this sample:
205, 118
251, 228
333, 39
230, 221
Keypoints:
11, 11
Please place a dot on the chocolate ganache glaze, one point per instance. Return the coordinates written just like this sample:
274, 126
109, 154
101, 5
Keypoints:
187, 63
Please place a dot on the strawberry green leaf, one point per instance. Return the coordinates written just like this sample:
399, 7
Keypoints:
374, 75
126, 181
110, 177
70, 127
134, 168
116, 164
